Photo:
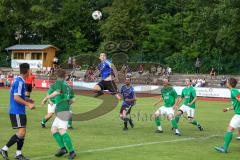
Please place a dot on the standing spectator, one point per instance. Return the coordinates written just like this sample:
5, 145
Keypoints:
204, 82
1, 80
223, 81
197, 65
213, 73
74, 62
141, 69
55, 62
153, 70
159, 70
70, 62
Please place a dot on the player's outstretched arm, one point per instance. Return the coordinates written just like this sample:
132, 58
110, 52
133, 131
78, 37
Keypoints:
18, 99
55, 93
160, 100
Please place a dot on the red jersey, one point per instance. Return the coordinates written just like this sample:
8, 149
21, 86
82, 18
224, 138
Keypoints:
30, 79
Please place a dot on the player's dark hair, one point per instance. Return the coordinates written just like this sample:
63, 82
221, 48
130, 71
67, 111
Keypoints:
233, 82
60, 73
24, 67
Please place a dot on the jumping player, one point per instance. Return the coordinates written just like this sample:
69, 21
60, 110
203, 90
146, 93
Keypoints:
17, 113
109, 76
169, 96
64, 96
129, 99
235, 122
189, 96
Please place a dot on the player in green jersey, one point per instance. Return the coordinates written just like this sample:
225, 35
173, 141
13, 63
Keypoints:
63, 96
188, 106
169, 96
51, 110
235, 121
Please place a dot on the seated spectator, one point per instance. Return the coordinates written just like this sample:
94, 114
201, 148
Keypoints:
2, 77
223, 81
199, 82
213, 73
163, 71
169, 71
10, 75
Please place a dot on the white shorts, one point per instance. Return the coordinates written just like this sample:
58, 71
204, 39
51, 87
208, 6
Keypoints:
188, 110
235, 121
165, 111
51, 109
60, 124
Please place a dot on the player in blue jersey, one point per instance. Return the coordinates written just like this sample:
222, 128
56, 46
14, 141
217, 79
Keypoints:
17, 113
129, 99
109, 76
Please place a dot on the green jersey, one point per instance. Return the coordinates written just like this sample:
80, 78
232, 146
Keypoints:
66, 94
169, 96
189, 93
236, 104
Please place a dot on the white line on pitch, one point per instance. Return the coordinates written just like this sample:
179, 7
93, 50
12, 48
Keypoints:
132, 146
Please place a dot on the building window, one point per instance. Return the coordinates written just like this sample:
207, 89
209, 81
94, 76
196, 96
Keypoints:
18, 55
36, 56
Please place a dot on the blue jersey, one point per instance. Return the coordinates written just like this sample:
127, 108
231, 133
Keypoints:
127, 93
18, 88
105, 69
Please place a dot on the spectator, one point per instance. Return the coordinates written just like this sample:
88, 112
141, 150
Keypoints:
204, 82
2, 77
7, 83
141, 69
169, 71
153, 70
213, 73
223, 81
199, 82
10, 75
70, 62
194, 82
74, 62
159, 70
55, 62
197, 66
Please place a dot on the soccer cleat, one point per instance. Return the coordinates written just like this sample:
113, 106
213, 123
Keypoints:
220, 149
99, 93
178, 134
70, 127
61, 152
72, 155
21, 157
43, 125
4, 154
125, 129
200, 128
131, 123
159, 131
238, 138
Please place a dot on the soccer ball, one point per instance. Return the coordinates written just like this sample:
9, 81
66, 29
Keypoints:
97, 15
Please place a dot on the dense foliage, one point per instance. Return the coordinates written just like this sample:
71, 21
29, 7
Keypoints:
170, 32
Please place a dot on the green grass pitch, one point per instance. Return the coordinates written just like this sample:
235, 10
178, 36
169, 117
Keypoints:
103, 138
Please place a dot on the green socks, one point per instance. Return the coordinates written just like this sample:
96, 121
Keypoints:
68, 142
44, 121
157, 121
177, 118
227, 140
70, 123
194, 122
59, 139
174, 124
